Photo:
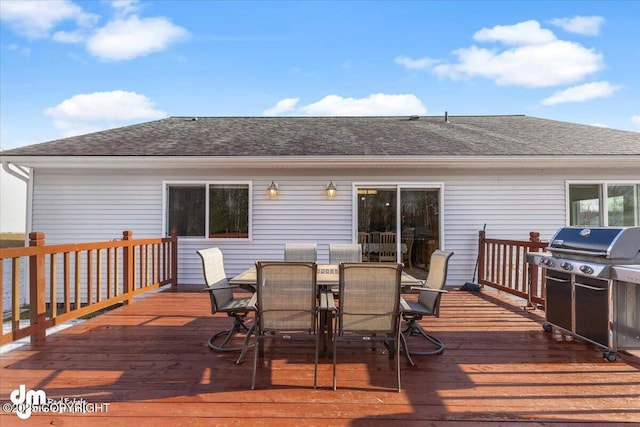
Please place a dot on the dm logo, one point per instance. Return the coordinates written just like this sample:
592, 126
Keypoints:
26, 400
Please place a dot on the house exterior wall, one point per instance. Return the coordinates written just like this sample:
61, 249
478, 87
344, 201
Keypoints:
81, 205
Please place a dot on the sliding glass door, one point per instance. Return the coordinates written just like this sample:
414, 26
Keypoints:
399, 224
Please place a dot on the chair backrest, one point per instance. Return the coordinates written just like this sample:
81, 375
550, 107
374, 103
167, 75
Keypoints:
438, 266
286, 296
301, 252
364, 239
214, 277
369, 298
345, 252
387, 246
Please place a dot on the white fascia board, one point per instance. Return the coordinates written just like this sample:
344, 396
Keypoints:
315, 162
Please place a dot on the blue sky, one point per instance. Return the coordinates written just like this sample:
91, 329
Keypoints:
73, 67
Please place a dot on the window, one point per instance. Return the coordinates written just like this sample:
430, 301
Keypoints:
221, 209
615, 205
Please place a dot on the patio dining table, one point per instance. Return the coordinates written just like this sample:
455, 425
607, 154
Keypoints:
328, 276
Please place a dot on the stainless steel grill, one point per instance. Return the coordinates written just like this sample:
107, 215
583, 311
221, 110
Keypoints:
592, 278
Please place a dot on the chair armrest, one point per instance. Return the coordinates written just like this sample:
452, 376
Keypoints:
215, 288
425, 289
327, 302
251, 305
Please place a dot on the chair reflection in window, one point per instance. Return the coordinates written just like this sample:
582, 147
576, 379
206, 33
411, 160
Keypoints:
407, 255
387, 247
364, 241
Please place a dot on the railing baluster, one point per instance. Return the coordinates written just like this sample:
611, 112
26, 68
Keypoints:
53, 274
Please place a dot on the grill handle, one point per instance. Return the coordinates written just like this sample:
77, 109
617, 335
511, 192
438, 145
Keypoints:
579, 252
592, 288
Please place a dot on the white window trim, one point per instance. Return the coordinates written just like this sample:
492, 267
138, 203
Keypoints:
605, 195
165, 213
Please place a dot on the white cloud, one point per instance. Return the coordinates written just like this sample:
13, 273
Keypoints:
91, 112
584, 25
16, 48
35, 19
581, 93
523, 33
125, 37
134, 37
378, 104
283, 106
125, 7
635, 120
534, 58
415, 64
551, 64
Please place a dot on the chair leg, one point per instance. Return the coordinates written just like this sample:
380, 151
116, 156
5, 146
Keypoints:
397, 345
238, 328
405, 349
335, 351
255, 364
413, 328
246, 345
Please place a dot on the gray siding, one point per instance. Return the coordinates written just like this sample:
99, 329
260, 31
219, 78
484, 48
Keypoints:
95, 205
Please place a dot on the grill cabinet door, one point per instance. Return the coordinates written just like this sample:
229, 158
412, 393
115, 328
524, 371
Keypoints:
592, 309
558, 300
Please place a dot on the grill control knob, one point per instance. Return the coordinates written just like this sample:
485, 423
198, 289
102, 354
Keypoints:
586, 269
566, 265
548, 262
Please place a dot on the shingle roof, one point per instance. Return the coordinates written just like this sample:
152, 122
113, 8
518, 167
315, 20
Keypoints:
351, 136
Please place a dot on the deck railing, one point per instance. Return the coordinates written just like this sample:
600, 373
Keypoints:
502, 265
68, 281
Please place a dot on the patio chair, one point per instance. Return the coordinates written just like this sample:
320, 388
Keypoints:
368, 309
287, 306
345, 252
222, 300
301, 252
428, 303
406, 256
387, 247
363, 239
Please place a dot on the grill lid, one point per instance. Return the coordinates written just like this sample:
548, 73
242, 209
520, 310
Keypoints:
613, 243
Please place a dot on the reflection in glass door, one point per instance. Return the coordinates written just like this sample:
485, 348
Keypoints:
420, 225
386, 212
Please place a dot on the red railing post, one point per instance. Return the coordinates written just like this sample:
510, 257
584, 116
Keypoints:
128, 266
174, 258
481, 256
37, 299
534, 237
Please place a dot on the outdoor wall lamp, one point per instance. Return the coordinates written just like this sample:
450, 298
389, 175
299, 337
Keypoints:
331, 190
272, 189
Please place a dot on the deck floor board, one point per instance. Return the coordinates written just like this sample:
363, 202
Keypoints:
149, 361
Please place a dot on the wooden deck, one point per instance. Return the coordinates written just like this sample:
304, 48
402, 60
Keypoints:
150, 363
